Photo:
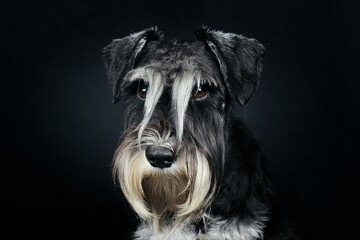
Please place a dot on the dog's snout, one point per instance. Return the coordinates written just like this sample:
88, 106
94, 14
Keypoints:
160, 157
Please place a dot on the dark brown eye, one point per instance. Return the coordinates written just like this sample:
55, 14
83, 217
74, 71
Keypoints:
142, 89
199, 92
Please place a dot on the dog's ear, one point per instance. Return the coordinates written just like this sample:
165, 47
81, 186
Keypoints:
239, 58
121, 54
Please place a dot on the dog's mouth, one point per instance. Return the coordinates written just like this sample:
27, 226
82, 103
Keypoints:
164, 193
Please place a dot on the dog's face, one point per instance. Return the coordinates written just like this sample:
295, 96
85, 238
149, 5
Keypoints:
172, 80
177, 96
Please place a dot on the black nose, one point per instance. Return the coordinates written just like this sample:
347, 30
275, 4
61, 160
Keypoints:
159, 157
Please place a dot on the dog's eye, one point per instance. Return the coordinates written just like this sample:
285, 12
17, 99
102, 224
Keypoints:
199, 92
142, 89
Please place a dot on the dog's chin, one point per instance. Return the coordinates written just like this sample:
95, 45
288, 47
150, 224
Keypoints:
164, 191
165, 188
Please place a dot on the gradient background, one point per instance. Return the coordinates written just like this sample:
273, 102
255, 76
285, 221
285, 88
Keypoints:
60, 129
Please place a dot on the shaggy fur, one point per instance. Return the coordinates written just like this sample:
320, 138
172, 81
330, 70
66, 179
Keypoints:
212, 181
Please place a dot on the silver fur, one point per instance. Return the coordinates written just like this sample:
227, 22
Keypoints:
217, 229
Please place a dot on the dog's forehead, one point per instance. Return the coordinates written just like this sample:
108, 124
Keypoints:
169, 55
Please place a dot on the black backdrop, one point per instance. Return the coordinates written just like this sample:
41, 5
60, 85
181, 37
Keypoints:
60, 129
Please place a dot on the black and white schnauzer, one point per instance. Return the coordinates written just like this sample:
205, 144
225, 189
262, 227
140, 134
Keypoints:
186, 165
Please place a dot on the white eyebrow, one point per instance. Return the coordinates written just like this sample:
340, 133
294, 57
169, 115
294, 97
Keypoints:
154, 92
181, 92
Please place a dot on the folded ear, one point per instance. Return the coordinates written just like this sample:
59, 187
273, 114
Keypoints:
121, 54
239, 58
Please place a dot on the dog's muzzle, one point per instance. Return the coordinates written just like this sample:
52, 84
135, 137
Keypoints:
159, 157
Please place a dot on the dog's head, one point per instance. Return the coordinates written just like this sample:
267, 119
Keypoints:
177, 95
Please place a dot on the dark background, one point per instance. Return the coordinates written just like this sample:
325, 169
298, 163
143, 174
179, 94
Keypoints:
60, 129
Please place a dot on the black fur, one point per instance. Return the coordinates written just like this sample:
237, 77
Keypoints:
120, 56
240, 61
244, 190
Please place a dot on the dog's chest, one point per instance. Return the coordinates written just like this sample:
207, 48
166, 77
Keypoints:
217, 230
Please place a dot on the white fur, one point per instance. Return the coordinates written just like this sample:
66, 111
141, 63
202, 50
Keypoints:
181, 93
232, 229
145, 233
216, 230
154, 91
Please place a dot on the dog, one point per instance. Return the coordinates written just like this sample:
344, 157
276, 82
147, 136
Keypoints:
186, 165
